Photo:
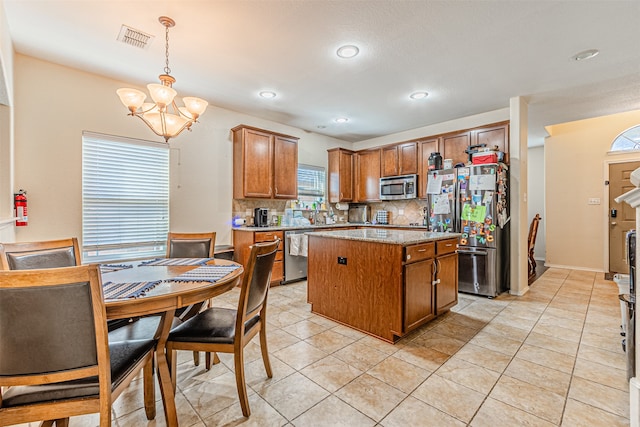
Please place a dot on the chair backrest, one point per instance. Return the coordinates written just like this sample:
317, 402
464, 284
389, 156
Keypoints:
36, 255
53, 327
256, 280
533, 232
191, 245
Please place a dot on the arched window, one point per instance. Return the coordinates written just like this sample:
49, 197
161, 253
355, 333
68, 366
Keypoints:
627, 140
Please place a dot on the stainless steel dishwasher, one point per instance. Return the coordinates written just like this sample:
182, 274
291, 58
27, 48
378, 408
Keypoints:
295, 266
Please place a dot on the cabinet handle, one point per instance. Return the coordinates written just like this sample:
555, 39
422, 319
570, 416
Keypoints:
422, 250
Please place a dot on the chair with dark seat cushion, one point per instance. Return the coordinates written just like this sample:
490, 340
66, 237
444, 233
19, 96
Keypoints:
55, 358
227, 330
35, 255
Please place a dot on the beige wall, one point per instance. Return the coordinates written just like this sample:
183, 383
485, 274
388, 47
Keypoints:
575, 156
6, 130
54, 104
536, 197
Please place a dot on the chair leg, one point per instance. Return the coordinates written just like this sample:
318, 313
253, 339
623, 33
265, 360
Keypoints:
172, 357
265, 351
240, 382
62, 422
207, 360
196, 358
149, 390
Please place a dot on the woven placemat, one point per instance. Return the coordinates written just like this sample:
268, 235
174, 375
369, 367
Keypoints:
108, 268
112, 290
176, 261
206, 273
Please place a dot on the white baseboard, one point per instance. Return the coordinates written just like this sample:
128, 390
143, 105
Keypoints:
634, 402
573, 267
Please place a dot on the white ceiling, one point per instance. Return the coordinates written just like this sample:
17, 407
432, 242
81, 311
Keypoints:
471, 56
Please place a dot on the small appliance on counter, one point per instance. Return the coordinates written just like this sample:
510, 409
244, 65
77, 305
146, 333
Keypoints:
382, 217
358, 214
261, 217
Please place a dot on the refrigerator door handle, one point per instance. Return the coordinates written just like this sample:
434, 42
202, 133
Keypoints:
472, 252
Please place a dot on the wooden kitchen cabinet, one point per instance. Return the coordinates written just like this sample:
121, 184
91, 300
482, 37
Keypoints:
418, 287
341, 166
446, 275
400, 159
265, 164
453, 147
367, 177
243, 239
494, 136
425, 148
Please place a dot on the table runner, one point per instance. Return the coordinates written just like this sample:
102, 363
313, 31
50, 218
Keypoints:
206, 273
108, 268
177, 261
113, 290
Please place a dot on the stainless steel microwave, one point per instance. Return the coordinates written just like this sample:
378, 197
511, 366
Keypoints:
398, 187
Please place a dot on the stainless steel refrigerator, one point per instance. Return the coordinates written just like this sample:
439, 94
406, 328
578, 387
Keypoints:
442, 200
483, 214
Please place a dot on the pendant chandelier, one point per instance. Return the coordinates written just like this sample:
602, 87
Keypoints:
163, 116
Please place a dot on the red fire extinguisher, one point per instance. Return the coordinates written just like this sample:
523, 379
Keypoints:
20, 208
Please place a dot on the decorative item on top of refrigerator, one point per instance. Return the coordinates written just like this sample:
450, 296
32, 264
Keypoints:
441, 200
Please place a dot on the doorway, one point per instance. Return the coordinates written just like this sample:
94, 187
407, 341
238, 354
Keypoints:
622, 217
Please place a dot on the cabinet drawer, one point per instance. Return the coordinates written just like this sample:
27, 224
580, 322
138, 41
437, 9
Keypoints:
277, 273
279, 256
419, 252
446, 246
267, 236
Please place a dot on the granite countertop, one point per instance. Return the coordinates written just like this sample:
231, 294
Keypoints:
393, 237
325, 226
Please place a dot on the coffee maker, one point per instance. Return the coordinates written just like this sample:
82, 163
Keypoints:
261, 217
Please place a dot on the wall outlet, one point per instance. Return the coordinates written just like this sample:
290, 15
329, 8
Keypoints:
594, 201
400, 211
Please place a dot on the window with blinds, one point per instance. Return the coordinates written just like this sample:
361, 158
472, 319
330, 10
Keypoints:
311, 180
125, 198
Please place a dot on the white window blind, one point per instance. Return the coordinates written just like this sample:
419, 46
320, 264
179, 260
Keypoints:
311, 180
125, 198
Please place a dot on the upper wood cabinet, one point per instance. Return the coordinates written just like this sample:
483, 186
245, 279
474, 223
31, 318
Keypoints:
494, 136
425, 148
340, 175
454, 145
400, 159
265, 164
367, 177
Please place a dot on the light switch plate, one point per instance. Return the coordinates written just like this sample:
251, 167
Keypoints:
594, 201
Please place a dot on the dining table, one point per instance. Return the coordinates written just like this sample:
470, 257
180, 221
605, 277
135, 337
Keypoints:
160, 287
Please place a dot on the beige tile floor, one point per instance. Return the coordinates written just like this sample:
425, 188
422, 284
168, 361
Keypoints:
552, 357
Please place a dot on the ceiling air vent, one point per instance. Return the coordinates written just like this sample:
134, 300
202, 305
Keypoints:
134, 37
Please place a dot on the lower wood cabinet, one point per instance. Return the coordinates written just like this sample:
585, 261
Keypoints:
242, 240
418, 294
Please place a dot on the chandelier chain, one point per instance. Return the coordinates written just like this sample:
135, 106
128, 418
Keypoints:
167, 70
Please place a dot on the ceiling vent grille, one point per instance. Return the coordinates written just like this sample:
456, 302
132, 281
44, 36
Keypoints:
134, 37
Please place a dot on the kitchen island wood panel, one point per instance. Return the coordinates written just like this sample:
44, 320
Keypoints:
382, 282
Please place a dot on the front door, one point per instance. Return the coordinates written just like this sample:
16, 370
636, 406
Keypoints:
622, 217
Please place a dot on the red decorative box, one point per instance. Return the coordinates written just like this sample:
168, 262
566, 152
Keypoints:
483, 158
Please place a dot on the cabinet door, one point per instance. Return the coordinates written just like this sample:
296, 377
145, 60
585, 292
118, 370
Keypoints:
408, 158
453, 147
340, 175
368, 176
494, 136
285, 170
447, 288
258, 164
418, 294
425, 148
389, 163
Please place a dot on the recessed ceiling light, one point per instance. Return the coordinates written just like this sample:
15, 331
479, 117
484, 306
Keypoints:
585, 54
348, 51
267, 94
341, 120
419, 95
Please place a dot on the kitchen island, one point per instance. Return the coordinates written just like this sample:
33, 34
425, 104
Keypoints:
383, 282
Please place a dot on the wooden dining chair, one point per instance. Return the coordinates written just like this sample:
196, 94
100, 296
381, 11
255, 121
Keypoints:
55, 358
227, 330
531, 243
35, 255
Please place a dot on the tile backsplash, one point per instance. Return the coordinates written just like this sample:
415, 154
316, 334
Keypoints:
412, 210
